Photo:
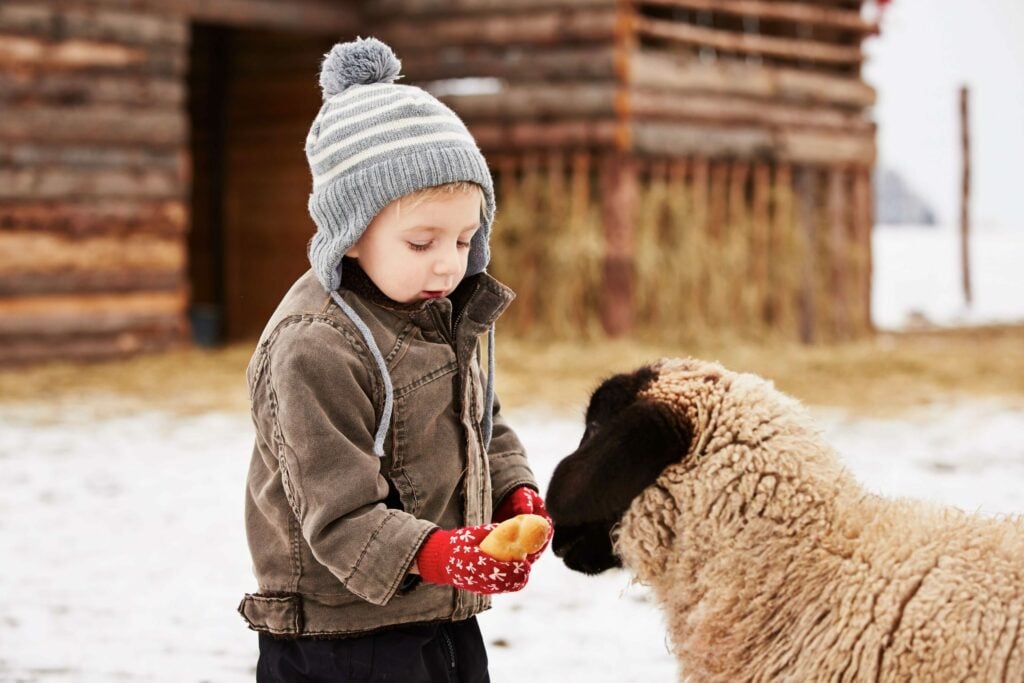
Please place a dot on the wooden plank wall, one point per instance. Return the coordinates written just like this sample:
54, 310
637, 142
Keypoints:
93, 182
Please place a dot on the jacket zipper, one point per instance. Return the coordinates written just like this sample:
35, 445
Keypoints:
458, 318
449, 645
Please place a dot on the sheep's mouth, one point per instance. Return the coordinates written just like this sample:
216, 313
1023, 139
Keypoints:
585, 548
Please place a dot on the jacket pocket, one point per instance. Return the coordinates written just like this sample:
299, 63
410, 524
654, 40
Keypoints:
279, 614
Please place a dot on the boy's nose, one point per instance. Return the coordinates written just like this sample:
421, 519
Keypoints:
447, 263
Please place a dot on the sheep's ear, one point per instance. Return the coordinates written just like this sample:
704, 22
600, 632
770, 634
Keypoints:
609, 469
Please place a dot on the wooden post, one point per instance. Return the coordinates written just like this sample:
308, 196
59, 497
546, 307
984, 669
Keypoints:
618, 204
965, 194
807, 194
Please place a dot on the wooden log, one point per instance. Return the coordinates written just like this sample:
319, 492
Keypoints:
552, 27
863, 223
68, 183
36, 155
554, 63
538, 100
806, 195
838, 253
323, 16
126, 28
661, 70
619, 193
433, 8
782, 259
801, 146
500, 136
22, 349
759, 239
748, 43
61, 88
81, 282
799, 12
19, 53
739, 110
69, 313
95, 217
47, 252
96, 124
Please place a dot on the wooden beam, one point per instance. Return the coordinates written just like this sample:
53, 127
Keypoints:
17, 349
731, 109
538, 100
555, 63
619, 195
20, 53
49, 20
68, 313
66, 183
551, 27
162, 126
660, 138
95, 217
327, 17
746, 43
778, 10
63, 88
42, 252
389, 8
661, 70
68, 282
511, 136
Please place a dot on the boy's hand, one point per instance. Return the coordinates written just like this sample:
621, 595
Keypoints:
454, 558
524, 501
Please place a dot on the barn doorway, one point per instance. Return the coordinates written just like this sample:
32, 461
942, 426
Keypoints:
251, 97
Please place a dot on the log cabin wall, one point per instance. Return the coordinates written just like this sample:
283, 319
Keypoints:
93, 182
103, 243
664, 167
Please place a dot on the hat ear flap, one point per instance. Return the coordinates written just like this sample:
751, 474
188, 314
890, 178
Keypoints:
622, 458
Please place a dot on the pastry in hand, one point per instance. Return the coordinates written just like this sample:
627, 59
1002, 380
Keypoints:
516, 538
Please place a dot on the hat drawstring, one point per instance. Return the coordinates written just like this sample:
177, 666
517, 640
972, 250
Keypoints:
389, 392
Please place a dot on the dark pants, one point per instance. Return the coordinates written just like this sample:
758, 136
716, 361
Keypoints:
415, 653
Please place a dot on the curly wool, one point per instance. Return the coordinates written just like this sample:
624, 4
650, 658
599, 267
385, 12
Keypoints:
772, 563
360, 62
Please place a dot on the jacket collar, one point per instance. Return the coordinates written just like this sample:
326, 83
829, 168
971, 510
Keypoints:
476, 302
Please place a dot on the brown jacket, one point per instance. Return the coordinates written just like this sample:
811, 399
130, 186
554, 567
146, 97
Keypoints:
332, 528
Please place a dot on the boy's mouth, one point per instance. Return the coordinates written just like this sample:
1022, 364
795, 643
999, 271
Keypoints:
433, 294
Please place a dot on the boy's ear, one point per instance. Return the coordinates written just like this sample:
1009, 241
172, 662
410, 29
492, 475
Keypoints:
353, 251
600, 480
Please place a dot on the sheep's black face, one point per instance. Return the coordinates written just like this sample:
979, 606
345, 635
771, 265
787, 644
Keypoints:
627, 443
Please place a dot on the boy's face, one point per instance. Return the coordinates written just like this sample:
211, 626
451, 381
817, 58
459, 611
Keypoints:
419, 250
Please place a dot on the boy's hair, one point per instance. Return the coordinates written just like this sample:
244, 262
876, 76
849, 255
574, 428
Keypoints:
417, 197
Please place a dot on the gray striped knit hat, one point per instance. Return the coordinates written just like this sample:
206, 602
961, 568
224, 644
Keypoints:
371, 143
374, 141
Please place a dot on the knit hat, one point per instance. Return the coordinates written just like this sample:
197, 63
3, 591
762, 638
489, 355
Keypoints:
372, 142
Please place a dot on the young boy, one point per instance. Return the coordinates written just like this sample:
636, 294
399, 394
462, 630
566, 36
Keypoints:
381, 454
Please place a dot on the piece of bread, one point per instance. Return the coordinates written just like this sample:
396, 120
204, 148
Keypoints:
516, 538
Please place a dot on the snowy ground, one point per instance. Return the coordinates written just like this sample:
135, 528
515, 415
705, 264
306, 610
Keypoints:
123, 553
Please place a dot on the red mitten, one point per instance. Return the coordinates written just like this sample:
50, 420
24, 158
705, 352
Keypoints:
524, 501
454, 558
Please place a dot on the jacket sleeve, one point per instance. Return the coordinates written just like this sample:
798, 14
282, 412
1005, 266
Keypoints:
324, 414
508, 464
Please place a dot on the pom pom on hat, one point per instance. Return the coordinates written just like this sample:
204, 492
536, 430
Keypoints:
359, 62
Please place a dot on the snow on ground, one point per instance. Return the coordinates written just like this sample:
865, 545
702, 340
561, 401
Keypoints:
917, 273
124, 555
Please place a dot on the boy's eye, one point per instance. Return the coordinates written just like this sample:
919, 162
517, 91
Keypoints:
463, 245
419, 246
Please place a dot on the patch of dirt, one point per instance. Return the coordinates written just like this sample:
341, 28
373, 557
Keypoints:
878, 376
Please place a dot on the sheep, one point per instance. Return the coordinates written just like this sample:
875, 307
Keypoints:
770, 561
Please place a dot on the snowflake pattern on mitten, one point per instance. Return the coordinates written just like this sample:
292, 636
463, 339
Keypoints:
454, 558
